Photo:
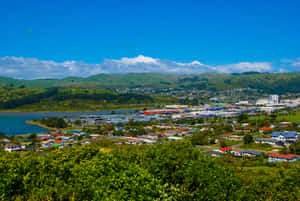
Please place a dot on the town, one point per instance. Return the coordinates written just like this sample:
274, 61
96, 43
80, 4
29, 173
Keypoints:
264, 128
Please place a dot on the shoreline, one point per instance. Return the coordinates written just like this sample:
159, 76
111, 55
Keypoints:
39, 124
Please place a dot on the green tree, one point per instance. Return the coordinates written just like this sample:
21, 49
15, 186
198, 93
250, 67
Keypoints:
77, 122
248, 139
199, 138
242, 118
223, 143
294, 148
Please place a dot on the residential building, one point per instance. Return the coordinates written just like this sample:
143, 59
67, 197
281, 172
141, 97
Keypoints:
171, 138
248, 129
263, 129
13, 147
283, 158
231, 137
215, 153
271, 141
249, 153
225, 149
287, 136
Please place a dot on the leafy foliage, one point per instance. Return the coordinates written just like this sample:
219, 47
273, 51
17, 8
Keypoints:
12, 98
160, 172
248, 139
54, 122
172, 171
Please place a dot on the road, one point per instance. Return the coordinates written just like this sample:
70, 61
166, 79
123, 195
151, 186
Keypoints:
237, 145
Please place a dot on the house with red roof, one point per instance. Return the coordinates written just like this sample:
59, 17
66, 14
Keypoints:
44, 138
57, 134
248, 129
273, 157
263, 129
225, 149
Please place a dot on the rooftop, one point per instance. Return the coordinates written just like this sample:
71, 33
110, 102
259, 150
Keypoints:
285, 156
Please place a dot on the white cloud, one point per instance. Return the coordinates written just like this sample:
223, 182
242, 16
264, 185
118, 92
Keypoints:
32, 68
286, 60
192, 63
245, 67
138, 59
296, 63
282, 70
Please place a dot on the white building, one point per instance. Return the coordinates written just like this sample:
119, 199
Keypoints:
262, 101
13, 147
171, 138
274, 99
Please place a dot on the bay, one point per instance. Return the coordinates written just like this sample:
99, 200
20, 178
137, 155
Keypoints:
13, 123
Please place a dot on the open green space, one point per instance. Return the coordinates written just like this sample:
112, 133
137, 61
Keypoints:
257, 146
228, 143
295, 117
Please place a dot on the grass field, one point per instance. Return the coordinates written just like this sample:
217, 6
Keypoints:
228, 143
291, 118
257, 146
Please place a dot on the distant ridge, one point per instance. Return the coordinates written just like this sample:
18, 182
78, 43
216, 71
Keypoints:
268, 82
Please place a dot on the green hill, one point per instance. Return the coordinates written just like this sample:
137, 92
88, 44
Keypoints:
270, 83
72, 99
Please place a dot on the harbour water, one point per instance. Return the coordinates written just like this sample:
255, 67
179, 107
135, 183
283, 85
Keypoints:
13, 123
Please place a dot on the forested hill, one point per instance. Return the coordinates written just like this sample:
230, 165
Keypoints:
25, 99
270, 83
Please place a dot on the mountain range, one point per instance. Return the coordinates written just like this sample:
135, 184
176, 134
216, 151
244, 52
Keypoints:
268, 82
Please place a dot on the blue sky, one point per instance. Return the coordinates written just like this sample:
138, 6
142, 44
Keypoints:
215, 32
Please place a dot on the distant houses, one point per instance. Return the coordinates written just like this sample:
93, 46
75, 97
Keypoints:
237, 153
270, 141
13, 147
231, 137
272, 157
249, 153
47, 143
248, 129
280, 138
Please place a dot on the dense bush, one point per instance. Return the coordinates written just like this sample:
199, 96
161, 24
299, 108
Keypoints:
172, 171
14, 98
53, 122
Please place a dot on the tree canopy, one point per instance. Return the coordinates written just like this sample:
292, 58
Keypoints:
171, 171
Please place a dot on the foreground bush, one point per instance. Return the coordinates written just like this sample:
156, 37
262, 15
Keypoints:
173, 171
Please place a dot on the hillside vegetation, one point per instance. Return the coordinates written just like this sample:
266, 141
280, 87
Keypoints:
172, 171
271, 83
22, 99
